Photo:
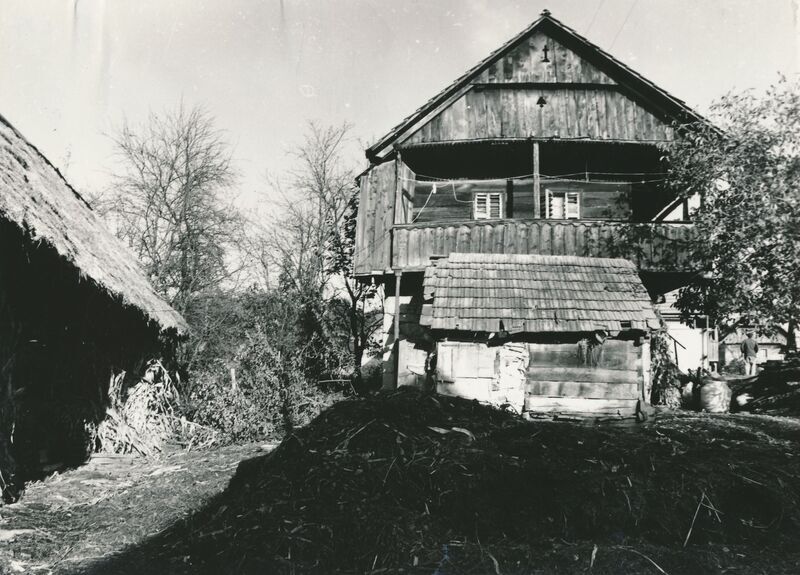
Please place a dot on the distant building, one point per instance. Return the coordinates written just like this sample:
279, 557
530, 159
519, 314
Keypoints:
694, 343
771, 347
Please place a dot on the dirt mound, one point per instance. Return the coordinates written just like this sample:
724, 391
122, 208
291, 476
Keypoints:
422, 484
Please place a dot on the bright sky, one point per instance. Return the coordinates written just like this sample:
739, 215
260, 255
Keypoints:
72, 70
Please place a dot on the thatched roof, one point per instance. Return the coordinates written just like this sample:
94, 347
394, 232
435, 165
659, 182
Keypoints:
36, 197
535, 294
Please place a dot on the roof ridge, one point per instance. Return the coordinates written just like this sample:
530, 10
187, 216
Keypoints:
451, 89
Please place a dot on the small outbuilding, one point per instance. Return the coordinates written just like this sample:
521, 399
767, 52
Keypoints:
540, 333
75, 307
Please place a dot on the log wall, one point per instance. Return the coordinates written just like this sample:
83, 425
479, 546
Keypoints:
545, 377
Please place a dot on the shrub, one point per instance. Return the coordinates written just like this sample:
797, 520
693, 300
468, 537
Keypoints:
273, 395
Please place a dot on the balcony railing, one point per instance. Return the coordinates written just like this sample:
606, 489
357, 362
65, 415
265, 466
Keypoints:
652, 246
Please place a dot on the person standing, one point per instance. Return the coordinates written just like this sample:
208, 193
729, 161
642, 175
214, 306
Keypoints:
750, 354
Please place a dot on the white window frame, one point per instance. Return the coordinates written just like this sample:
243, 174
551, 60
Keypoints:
486, 213
567, 194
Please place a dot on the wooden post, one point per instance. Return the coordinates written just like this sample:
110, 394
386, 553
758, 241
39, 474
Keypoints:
509, 199
537, 209
397, 277
647, 382
399, 216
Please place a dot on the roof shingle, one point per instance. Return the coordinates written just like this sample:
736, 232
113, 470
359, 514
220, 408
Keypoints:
535, 293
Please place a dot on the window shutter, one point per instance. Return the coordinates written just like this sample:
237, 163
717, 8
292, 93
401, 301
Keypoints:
563, 205
555, 206
480, 206
573, 206
495, 209
488, 206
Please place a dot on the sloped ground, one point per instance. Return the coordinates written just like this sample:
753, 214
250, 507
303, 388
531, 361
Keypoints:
113, 502
411, 483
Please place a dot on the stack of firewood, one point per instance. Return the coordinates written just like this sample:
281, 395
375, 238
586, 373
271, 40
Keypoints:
776, 390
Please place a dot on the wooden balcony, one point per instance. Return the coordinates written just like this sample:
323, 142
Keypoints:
652, 246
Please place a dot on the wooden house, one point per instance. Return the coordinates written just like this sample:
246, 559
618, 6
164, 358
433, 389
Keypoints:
548, 147
694, 342
74, 307
771, 346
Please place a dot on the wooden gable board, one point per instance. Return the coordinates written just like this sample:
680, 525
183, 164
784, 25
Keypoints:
593, 63
501, 102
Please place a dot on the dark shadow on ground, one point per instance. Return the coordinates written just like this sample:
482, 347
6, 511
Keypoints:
414, 483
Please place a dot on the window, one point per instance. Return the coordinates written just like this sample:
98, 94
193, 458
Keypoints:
487, 205
563, 205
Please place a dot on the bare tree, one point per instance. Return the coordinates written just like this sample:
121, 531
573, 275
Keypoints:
310, 244
167, 202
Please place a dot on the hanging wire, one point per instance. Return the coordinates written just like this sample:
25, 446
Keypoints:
425, 205
455, 197
429, 179
548, 178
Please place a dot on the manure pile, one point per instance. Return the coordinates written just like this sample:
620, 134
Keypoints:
416, 483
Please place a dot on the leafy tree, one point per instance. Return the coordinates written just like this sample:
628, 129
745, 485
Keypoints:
747, 228
168, 202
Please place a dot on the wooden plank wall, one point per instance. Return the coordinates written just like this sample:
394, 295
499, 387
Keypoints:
592, 113
552, 377
453, 202
406, 193
501, 105
414, 245
477, 371
559, 370
524, 64
373, 247
562, 380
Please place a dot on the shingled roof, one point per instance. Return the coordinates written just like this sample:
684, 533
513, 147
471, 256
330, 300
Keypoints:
535, 293
35, 196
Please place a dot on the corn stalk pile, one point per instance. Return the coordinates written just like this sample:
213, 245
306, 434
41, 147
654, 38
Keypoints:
148, 418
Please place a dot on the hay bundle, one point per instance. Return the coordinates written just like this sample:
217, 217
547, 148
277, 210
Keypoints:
147, 420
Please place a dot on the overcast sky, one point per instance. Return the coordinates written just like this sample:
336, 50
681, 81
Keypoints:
72, 70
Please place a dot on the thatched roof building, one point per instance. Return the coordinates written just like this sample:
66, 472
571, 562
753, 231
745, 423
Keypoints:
75, 308
37, 198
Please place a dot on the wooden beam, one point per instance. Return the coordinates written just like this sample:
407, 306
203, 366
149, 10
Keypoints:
400, 174
581, 405
545, 86
397, 277
537, 184
509, 199
583, 389
584, 374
